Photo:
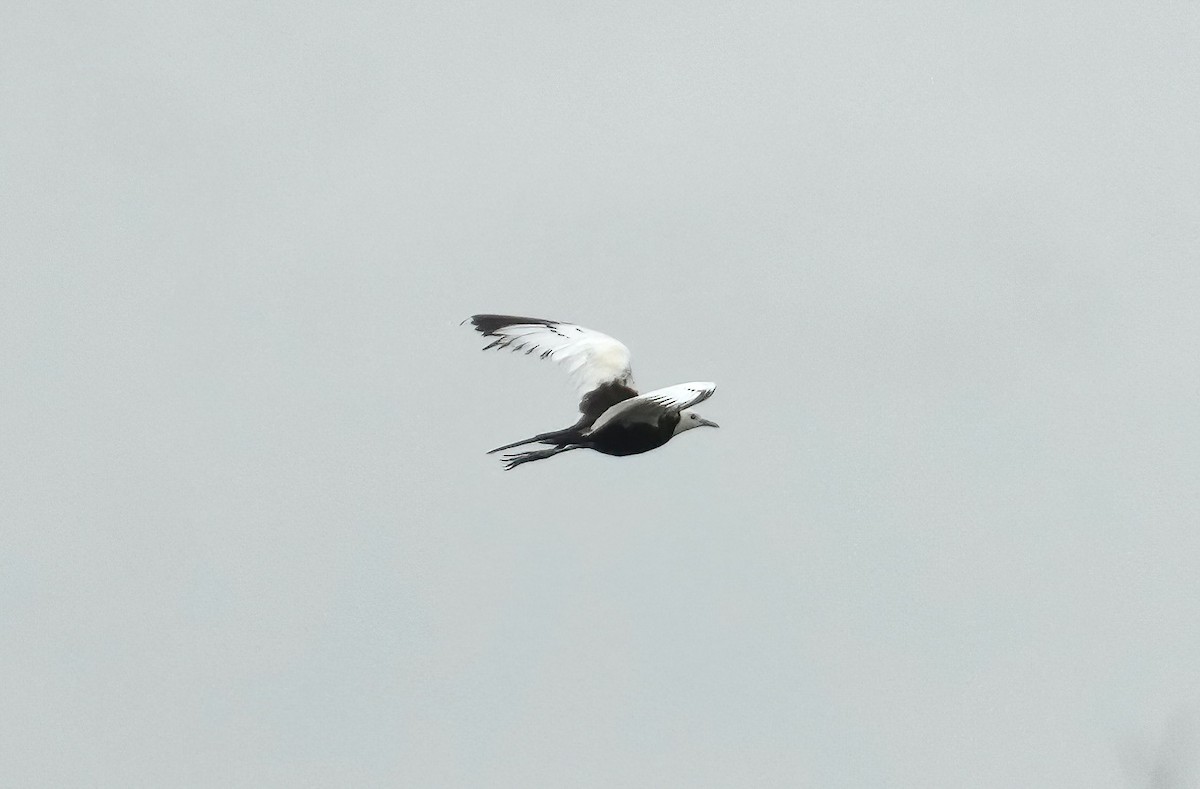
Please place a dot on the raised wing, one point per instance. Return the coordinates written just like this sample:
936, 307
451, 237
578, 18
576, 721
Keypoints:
652, 405
597, 364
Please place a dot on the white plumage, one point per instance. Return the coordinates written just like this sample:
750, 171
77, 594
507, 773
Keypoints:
591, 358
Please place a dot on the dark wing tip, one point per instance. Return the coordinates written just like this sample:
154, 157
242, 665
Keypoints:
487, 324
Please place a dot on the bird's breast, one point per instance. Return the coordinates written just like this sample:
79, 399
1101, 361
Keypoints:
628, 438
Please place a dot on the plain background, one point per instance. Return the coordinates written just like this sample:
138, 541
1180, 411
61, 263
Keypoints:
941, 259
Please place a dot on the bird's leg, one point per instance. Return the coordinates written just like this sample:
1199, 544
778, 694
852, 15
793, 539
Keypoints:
512, 461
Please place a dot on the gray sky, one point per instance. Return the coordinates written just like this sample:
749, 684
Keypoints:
941, 259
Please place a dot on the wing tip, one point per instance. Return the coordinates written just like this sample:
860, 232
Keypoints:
487, 323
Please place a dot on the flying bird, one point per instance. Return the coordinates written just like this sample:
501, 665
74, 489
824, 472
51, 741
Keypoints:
615, 420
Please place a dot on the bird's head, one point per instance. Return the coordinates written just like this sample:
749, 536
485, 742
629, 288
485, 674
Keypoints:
689, 419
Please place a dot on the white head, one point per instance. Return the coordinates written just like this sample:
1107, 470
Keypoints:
689, 419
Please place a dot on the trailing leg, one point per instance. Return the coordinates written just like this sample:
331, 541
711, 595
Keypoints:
514, 460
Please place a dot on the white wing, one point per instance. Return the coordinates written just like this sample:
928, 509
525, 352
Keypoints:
650, 406
591, 358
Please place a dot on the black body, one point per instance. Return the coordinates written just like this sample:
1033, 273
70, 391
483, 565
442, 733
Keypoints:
614, 438
621, 438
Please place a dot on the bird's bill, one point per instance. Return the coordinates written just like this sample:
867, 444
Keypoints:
705, 423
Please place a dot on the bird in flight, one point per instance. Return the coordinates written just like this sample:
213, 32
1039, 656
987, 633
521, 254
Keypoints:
615, 420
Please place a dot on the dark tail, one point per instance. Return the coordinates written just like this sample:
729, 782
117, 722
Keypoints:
512, 461
553, 437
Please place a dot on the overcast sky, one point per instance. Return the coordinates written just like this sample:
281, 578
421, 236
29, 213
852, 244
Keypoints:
942, 260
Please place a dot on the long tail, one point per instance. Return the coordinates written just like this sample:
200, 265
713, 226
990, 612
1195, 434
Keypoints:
512, 461
553, 437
